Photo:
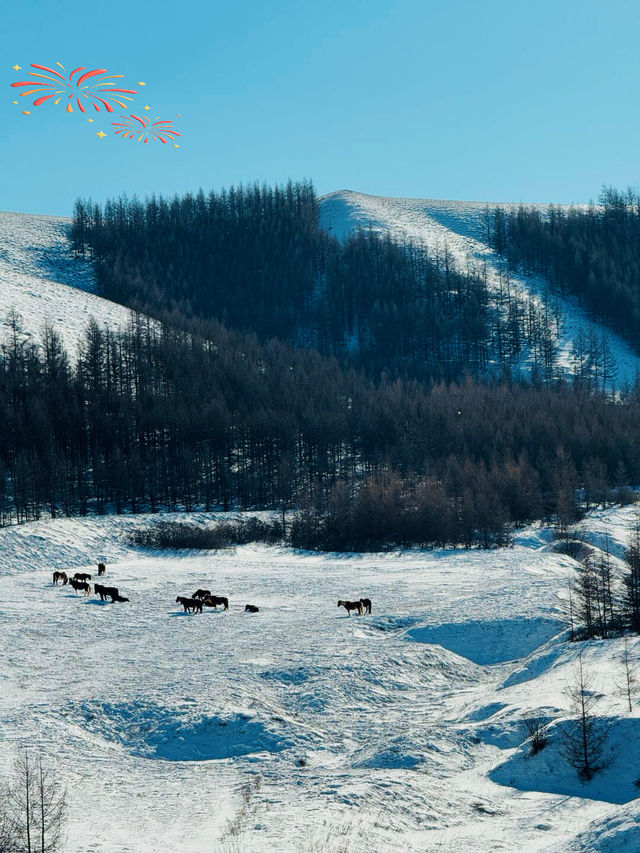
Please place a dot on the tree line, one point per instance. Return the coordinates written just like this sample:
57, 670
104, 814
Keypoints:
255, 259
158, 417
592, 253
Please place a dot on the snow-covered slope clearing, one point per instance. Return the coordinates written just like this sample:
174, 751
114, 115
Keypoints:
43, 283
299, 728
460, 227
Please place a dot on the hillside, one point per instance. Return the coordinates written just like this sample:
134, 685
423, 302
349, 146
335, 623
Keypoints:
40, 279
460, 227
300, 729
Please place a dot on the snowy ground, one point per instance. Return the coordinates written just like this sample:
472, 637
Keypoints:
40, 279
460, 226
300, 728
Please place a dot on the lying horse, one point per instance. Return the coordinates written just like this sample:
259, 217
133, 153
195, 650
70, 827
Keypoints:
60, 576
190, 604
366, 605
251, 608
201, 593
101, 569
215, 600
83, 585
82, 576
351, 605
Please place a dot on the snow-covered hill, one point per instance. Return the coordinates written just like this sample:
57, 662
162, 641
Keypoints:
299, 728
43, 283
460, 226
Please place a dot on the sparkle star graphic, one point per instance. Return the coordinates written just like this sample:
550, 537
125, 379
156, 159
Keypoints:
16, 67
147, 108
101, 134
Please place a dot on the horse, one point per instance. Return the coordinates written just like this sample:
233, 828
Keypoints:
201, 593
60, 576
101, 569
83, 585
106, 592
118, 598
251, 608
351, 605
215, 600
190, 604
82, 576
366, 605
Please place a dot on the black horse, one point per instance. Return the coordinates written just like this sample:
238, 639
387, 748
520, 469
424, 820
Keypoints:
366, 605
190, 604
351, 605
251, 608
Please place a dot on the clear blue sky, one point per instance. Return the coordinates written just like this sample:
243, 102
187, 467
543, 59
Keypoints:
502, 100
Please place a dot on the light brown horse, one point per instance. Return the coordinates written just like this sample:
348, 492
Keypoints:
351, 605
60, 576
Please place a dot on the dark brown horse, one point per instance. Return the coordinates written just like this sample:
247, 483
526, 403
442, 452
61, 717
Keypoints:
107, 592
190, 604
251, 608
83, 585
351, 605
366, 605
60, 576
82, 576
101, 569
215, 600
201, 593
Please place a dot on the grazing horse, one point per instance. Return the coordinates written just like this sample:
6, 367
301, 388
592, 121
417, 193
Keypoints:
106, 592
82, 576
101, 569
251, 608
118, 598
201, 593
190, 604
351, 605
60, 576
215, 600
366, 605
83, 585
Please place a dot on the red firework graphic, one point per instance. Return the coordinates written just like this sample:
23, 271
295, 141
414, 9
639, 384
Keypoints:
99, 89
144, 130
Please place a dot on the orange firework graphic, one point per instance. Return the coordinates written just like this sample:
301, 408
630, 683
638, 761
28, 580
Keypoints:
144, 130
93, 87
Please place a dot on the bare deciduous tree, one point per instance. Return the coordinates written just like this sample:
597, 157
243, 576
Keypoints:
585, 735
34, 812
630, 685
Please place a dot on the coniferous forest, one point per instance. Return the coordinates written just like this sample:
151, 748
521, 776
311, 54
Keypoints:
365, 386
592, 253
256, 260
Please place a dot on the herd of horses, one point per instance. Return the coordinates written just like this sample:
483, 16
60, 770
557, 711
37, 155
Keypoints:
363, 605
80, 583
192, 604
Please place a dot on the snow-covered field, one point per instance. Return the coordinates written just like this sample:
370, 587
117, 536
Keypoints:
460, 227
300, 728
43, 283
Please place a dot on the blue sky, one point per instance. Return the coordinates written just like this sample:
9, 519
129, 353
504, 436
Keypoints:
498, 101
